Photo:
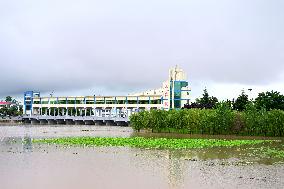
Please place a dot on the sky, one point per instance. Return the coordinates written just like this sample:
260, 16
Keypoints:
115, 47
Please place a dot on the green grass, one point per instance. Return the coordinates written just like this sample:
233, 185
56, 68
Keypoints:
140, 142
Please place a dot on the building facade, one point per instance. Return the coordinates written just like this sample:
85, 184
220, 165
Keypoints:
173, 94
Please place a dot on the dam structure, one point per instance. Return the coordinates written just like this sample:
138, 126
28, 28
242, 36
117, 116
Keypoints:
105, 110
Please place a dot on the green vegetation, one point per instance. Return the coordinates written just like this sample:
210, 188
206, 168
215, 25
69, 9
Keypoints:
263, 116
241, 102
205, 101
270, 100
160, 143
12, 109
221, 120
273, 152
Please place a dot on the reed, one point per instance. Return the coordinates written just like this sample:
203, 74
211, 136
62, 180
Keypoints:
221, 120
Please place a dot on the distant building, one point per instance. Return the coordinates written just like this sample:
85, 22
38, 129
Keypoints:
173, 94
5, 104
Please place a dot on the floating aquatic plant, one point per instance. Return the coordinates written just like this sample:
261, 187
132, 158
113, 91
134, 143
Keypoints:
140, 142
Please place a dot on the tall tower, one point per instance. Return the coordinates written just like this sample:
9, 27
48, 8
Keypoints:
28, 102
176, 90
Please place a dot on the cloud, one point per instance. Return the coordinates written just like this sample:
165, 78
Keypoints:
115, 46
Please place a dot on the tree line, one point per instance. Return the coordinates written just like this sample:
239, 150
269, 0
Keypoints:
270, 100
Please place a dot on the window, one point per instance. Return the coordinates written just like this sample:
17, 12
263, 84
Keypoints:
52, 102
36, 102
177, 94
177, 104
132, 101
71, 101
158, 101
100, 101
44, 101
110, 102
120, 101
89, 101
184, 84
61, 101
143, 101
80, 102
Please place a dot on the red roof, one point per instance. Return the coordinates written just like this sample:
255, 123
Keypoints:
5, 103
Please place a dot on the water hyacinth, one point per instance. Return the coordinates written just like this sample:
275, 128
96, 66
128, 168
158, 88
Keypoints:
160, 143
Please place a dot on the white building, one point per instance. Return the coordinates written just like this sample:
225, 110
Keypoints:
173, 94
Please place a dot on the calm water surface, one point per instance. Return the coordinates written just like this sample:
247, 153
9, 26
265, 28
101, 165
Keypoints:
26, 165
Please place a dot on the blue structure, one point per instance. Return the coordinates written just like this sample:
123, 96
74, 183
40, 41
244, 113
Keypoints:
28, 101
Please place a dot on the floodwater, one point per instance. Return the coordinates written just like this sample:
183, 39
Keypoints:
26, 165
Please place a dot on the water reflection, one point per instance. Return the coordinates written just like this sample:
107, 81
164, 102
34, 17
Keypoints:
176, 170
160, 165
27, 144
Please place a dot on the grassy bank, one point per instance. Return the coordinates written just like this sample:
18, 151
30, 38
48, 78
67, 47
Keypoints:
140, 142
219, 121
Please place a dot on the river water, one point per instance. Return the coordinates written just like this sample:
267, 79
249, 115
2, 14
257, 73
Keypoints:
26, 165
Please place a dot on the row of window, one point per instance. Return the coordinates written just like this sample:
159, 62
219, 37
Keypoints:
100, 102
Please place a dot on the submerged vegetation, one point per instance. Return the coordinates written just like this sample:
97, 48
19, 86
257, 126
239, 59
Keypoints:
160, 143
273, 152
222, 120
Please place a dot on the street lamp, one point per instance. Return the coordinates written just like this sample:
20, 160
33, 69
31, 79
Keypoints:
51, 94
250, 92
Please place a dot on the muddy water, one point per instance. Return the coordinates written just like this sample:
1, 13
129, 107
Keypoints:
27, 165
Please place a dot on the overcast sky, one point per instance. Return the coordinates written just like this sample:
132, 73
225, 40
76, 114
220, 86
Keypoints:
113, 47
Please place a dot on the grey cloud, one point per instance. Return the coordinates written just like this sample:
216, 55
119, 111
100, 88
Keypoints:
129, 45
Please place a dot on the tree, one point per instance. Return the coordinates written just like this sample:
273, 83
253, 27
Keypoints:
8, 99
192, 105
241, 102
14, 109
205, 101
270, 100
